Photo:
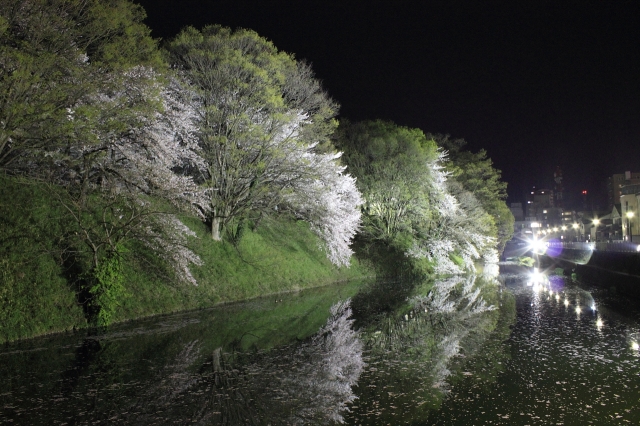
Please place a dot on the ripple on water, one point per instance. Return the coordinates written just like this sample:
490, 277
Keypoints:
567, 367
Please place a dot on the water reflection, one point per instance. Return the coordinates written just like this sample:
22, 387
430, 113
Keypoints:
137, 377
457, 351
572, 362
306, 383
395, 356
415, 349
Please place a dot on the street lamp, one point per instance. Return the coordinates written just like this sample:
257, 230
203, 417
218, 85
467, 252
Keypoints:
629, 234
596, 222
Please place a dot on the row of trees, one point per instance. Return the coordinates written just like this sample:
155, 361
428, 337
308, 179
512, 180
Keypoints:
440, 206
222, 125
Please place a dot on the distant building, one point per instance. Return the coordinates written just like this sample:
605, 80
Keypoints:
629, 202
615, 184
557, 177
537, 201
568, 218
541, 207
517, 211
606, 225
526, 229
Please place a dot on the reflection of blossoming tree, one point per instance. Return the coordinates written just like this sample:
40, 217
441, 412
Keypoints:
417, 349
459, 299
332, 365
458, 295
308, 383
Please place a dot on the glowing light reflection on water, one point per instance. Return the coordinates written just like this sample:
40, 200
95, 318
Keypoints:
570, 359
571, 364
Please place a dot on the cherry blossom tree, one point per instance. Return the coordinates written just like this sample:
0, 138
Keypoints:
130, 166
52, 54
410, 201
389, 162
264, 126
329, 200
459, 228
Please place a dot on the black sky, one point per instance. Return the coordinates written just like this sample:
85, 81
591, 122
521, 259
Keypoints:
537, 84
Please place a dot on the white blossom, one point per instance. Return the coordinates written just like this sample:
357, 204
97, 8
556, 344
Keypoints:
128, 147
458, 227
329, 200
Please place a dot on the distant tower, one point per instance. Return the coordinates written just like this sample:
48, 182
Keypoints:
557, 177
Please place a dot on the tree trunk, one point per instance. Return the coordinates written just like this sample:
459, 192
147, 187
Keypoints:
215, 228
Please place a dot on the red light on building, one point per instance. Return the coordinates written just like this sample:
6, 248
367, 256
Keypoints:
584, 192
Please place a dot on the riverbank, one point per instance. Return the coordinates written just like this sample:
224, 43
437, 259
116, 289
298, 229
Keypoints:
37, 295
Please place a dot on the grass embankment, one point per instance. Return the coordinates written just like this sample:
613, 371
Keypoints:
38, 297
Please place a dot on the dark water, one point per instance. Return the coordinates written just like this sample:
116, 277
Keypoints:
461, 351
571, 359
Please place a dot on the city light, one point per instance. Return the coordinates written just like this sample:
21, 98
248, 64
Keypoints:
538, 246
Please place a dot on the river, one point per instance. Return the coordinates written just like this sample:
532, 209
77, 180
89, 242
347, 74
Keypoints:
513, 349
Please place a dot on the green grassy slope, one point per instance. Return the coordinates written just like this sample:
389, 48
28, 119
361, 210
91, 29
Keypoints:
36, 298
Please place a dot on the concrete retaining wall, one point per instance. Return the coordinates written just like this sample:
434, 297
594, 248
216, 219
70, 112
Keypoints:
616, 271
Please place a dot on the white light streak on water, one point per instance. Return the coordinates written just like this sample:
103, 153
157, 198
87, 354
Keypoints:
564, 369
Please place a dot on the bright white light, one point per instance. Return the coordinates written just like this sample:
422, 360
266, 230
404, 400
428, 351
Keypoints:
635, 346
536, 277
538, 246
578, 310
557, 297
599, 323
566, 302
593, 307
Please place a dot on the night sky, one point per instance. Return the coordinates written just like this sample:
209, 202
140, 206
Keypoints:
537, 84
